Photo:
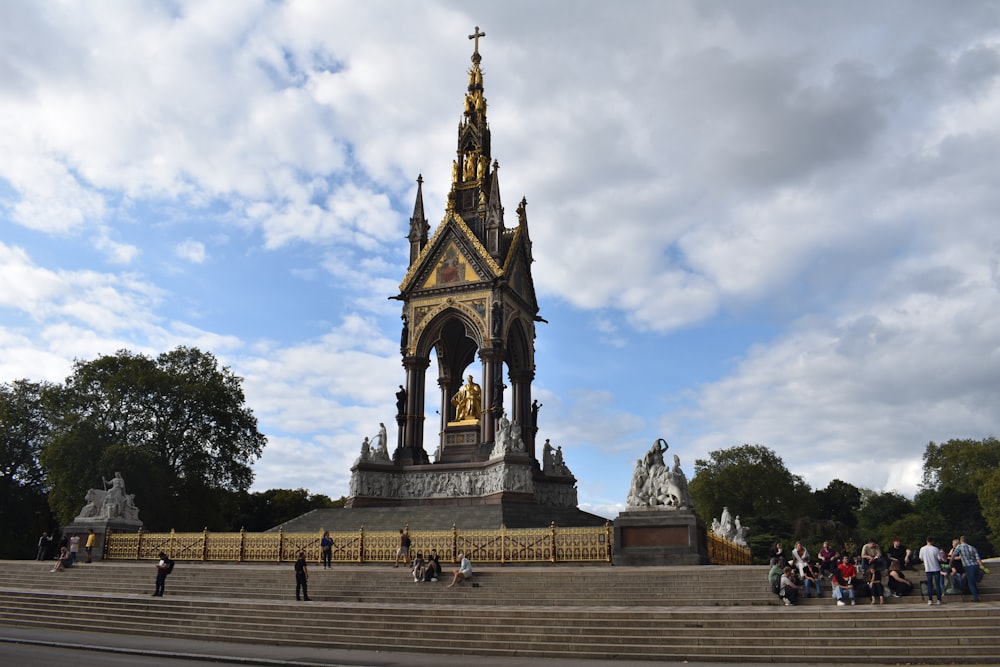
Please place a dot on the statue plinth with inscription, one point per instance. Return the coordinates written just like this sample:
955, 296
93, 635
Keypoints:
659, 525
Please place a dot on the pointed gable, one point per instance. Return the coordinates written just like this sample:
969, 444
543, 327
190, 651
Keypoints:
453, 257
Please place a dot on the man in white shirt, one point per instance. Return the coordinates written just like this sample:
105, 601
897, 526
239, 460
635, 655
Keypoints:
931, 556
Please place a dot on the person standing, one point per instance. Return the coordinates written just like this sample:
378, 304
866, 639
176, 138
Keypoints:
89, 546
74, 548
931, 557
971, 562
326, 550
43, 545
164, 567
301, 577
403, 552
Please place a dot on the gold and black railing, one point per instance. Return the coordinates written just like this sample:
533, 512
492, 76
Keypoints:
504, 545
725, 552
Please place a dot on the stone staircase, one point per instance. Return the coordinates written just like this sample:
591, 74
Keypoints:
598, 612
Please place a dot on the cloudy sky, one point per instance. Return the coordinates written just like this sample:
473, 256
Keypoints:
764, 222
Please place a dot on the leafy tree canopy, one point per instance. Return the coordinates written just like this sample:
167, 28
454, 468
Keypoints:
989, 500
839, 502
266, 509
176, 427
879, 509
24, 513
752, 481
961, 464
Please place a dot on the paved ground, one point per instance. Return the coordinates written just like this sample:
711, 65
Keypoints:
44, 647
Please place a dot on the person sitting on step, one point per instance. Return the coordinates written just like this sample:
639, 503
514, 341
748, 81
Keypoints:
433, 569
811, 579
62, 560
874, 578
464, 570
419, 566
843, 588
789, 587
828, 559
897, 581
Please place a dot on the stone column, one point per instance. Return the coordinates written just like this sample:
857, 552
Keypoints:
521, 407
413, 422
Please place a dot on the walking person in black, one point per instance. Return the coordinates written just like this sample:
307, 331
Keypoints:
43, 546
301, 577
163, 568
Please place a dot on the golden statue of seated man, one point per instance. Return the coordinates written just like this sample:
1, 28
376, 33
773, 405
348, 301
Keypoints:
468, 401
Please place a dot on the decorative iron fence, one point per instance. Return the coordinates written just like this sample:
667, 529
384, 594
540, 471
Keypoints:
505, 545
724, 552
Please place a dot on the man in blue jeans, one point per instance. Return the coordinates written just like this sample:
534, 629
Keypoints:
931, 556
971, 562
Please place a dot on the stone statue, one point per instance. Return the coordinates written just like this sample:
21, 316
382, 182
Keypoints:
496, 319
498, 387
130, 512
547, 457
382, 445
655, 485
535, 407
95, 499
110, 503
514, 441
454, 171
366, 452
730, 529
739, 533
113, 505
726, 522
404, 336
401, 401
468, 401
558, 465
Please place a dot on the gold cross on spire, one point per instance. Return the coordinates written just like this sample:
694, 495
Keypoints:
476, 35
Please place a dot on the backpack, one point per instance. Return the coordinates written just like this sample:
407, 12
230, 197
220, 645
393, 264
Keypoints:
776, 585
170, 565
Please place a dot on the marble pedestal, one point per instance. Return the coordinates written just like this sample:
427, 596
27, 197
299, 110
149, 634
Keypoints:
82, 527
659, 537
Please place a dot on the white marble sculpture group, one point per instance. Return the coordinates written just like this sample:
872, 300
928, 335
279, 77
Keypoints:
655, 485
110, 503
729, 528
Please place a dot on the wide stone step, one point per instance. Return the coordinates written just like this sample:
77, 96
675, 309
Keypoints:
597, 612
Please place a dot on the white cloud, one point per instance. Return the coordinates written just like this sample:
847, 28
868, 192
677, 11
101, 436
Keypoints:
822, 178
191, 251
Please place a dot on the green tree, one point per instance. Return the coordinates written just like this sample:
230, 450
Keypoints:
264, 510
957, 513
23, 429
989, 501
839, 502
878, 510
752, 481
176, 427
961, 464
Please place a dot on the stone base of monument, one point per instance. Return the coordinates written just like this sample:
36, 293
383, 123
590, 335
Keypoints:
101, 527
659, 537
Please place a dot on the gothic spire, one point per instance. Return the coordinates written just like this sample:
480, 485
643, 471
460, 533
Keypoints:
471, 176
418, 223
